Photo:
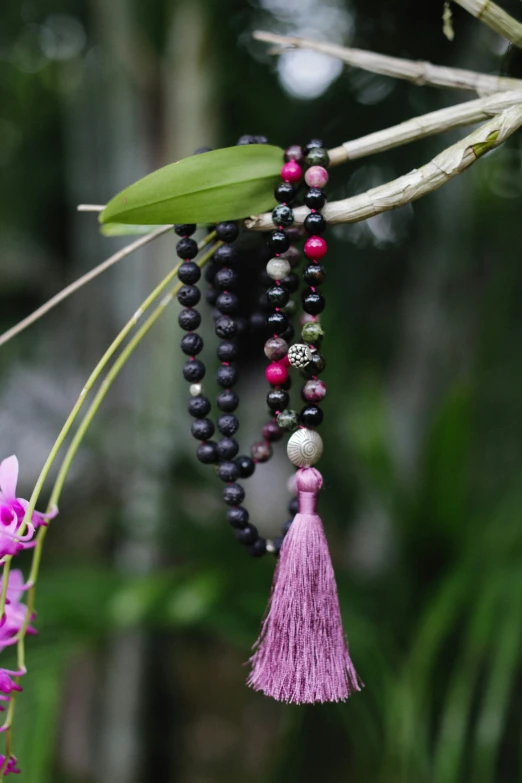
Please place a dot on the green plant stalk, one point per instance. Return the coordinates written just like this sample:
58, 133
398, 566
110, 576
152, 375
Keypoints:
78, 405
69, 456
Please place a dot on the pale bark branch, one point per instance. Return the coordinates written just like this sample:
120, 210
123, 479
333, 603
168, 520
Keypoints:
417, 71
426, 125
495, 17
416, 183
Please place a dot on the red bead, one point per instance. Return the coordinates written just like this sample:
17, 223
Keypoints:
315, 248
276, 374
291, 171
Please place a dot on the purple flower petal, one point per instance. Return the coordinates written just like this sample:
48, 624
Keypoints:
9, 477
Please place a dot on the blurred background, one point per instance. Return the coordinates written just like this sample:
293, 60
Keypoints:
147, 607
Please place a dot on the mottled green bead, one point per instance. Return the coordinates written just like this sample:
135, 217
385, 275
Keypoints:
318, 157
312, 332
288, 420
283, 216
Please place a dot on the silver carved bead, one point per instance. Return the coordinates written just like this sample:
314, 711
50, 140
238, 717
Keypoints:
299, 355
196, 389
278, 268
305, 448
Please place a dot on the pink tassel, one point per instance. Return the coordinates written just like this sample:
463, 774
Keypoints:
301, 655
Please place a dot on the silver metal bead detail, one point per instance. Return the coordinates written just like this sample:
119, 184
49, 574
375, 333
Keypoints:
196, 389
305, 448
278, 268
270, 546
299, 355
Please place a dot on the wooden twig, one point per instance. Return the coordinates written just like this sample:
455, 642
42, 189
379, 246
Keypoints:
426, 125
70, 289
495, 17
416, 183
418, 72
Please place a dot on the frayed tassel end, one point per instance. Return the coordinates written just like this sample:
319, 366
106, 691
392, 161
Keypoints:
301, 656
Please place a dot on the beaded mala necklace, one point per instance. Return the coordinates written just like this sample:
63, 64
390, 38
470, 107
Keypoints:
301, 655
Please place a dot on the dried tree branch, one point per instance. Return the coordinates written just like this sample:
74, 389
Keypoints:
70, 289
418, 72
426, 125
416, 183
495, 17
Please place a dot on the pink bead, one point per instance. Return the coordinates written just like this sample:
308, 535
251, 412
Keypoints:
291, 171
295, 152
315, 248
276, 374
316, 177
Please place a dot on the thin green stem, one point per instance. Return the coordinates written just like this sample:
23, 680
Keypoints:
76, 409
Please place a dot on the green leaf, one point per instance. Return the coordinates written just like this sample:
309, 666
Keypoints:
225, 184
125, 230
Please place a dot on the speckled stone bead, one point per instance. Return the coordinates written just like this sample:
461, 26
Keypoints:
282, 215
314, 390
261, 451
278, 268
288, 420
271, 431
294, 152
312, 332
275, 348
318, 156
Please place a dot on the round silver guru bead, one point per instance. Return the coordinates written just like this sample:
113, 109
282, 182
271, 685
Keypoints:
299, 355
305, 448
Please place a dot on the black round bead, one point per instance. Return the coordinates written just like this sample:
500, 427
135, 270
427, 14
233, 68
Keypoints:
187, 248
211, 295
189, 273
278, 242
293, 506
225, 255
258, 322
282, 215
227, 351
226, 279
285, 191
315, 198
207, 453
189, 319
227, 231
277, 296
189, 295
277, 399
318, 156
248, 535
290, 282
246, 466
193, 371
311, 415
199, 407
226, 376
184, 229
286, 526
233, 494
247, 138
314, 274
227, 303
191, 344
258, 548
313, 302
228, 471
313, 144
227, 424
226, 327
227, 449
277, 322
227, 401
317, 364
238, 517
315, 223
202, 429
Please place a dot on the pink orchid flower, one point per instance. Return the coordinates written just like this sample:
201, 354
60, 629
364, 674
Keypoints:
12, 510
15, 611
11, 764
